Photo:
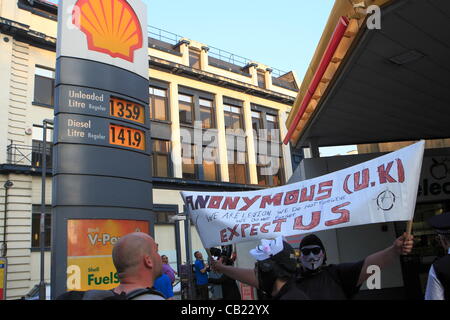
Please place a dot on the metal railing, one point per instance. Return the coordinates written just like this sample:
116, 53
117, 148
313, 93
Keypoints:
228, 57
28, 155
163, 35
277, 72
172, 38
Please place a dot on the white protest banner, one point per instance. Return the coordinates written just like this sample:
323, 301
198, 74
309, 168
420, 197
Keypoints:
380, 190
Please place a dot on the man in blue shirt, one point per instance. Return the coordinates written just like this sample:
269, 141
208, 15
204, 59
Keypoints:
164, 285
201, 276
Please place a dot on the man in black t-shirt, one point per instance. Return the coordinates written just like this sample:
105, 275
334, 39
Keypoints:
438, 284
340, 280
328, 282
275, 270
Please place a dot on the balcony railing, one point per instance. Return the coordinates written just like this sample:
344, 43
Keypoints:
29, 155
173, 39
163, 35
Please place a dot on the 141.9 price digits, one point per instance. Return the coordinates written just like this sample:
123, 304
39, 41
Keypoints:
126, 137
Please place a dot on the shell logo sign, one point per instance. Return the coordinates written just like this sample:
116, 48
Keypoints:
111, 27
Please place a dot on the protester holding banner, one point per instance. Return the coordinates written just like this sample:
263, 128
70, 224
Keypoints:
377, 191
275, 270
321, 282
341, 281
438, 285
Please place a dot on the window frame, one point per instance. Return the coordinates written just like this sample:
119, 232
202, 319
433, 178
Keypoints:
36, 215
198, 95
260, 120
265, 113
152, 105
261, 77
199, 172
216, 166
169, 157
43, 76
226, 114
36, 152
212, 113
197, 53
164, 208
235, 164
196, 171
192, 104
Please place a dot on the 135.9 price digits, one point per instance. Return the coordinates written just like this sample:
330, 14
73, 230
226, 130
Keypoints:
126, 110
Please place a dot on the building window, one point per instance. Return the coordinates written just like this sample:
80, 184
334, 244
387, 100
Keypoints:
158, 104
205, 169
268, 147
36, 154
44, 83
36, 226
233, 117
261, 78
206, 113
209, 165
164, 212
237, 167
161, 158
270, 171
262, 178
273, 133
188, 165
194, 58
186, 107
163, 217
256, 121
278, 177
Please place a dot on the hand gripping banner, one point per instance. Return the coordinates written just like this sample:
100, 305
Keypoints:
380, 190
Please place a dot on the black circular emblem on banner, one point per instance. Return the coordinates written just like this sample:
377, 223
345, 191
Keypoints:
386, 200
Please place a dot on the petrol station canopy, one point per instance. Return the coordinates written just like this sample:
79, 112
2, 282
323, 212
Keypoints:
377, 85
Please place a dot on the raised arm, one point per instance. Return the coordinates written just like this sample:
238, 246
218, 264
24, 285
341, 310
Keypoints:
244, 275
401, 246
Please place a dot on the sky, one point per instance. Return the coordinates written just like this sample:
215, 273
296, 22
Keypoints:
281, 34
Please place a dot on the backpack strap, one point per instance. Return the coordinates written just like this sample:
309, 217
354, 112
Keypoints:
98, 294
138, 292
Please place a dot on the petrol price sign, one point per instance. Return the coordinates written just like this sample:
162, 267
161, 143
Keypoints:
101, 123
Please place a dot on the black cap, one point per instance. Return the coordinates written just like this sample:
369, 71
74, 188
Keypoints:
310, 240
441, 223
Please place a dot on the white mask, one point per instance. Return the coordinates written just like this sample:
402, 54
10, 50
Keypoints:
312, 260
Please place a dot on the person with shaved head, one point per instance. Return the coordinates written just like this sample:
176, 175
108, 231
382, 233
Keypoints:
138, 264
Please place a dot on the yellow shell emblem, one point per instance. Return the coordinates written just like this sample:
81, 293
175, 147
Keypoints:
111, 27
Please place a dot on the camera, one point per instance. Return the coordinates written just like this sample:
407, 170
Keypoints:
215, 252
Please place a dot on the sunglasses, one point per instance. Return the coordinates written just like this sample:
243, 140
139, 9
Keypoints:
307, 252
